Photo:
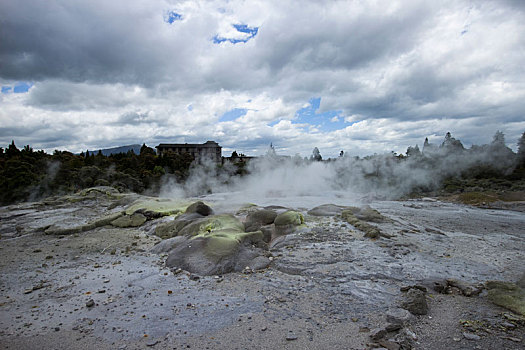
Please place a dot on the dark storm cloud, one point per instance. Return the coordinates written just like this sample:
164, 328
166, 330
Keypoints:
130, 70
82, 41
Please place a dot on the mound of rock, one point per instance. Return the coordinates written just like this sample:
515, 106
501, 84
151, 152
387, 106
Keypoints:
217, 245
327, 210
207, 244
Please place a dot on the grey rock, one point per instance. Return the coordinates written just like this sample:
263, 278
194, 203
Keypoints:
467, 289
406, 339
268, 232
392, 327
291, 336
415, 302
90, 303
199, 208
398, 316
326, 210
471, 336
193, 255
256, 219
167, 245
377, 333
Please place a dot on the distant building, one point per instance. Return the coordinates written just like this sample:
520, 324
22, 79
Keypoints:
209, 150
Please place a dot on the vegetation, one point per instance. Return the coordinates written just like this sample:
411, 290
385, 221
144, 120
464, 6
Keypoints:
480, 174
28, 175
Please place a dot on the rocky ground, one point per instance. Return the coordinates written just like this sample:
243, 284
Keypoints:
87, 271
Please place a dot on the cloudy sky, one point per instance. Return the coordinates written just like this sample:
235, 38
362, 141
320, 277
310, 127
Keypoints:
361, 76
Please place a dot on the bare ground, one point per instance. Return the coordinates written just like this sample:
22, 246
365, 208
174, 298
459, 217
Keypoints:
328, 287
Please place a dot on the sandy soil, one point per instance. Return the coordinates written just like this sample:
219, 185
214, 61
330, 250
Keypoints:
328, 286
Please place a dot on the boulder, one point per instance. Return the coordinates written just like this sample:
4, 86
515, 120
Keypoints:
326, 210
216, 245
287, 222
256, 219
415, 302
199, 208
289, 217
219, 252
398, 316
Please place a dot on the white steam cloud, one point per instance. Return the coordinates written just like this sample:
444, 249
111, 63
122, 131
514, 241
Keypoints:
296, 182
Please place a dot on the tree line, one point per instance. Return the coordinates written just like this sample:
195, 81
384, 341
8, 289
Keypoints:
26, 174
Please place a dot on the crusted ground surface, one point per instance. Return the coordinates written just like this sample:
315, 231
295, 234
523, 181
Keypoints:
328, 286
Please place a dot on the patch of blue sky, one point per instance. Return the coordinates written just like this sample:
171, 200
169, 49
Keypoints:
241, 28
275, 122
22, 87
190, 108
325, 121
172, 16
18, 88
233, 114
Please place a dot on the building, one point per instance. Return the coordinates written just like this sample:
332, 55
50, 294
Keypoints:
209, 150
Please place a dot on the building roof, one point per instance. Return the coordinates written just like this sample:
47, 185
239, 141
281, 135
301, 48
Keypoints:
207, 144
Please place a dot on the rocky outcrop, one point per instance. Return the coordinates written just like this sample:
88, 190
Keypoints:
216, 245
327, 210
133, 220
358, 218
69, 230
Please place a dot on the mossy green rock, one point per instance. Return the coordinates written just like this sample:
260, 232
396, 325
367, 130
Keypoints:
133, 220
219, 251
289, 217
507, 295
160, 206
366, 213
223, 243
212, 223
369, 230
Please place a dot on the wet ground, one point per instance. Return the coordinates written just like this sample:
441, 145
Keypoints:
327, 287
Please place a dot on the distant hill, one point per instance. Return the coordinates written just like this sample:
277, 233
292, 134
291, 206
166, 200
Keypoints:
116, 150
